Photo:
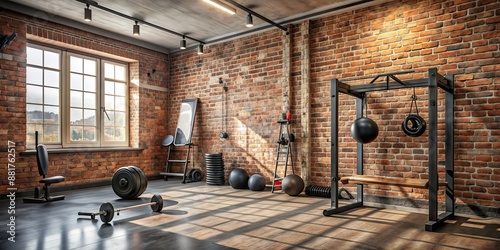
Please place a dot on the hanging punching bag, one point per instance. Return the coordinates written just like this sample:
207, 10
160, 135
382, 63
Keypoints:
364, 130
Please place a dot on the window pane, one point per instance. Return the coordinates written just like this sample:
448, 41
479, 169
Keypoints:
51, 133
51, 96
120, 119
109, 71
51, 115
33, 94
109, 102
119, 134
76, 133
109, 88
111, 120
76, 64
89, 118
89, 100
76, 99
30, 132
120, 103
34, 75
120, 89
109, 133
89, 134
89, 67
89, 83
51, 78
34, 56
34, 113
76, 81
120, 73
51, 59
76, 117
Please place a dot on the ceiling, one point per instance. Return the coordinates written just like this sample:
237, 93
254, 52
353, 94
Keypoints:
194, 18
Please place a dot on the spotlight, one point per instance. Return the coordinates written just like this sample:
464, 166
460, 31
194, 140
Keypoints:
137, 29
183, 43
200, 49
87, 14
249, 22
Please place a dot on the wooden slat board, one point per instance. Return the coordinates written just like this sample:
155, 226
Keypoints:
383, 180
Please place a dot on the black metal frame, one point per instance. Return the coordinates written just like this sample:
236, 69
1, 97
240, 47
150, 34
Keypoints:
280, 153
433, 81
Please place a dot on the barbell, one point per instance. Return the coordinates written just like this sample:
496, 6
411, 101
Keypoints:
107, 211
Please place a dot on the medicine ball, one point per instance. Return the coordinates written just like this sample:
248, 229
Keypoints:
364, 130
256, 182
238, 178
292, 185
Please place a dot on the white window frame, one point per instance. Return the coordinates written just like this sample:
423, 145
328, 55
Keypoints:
64, 101
49, 144
102, 106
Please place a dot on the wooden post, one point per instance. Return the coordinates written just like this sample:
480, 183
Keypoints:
305, 104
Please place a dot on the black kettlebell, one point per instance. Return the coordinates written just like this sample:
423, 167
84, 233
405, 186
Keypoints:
364, 130
417, 127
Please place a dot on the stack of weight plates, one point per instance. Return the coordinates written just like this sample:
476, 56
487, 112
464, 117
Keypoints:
129, 182
215, 169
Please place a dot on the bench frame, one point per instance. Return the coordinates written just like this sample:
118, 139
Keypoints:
433, 82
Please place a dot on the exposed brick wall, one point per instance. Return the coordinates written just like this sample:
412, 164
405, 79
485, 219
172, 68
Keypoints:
148, 106
251, 68
456, 37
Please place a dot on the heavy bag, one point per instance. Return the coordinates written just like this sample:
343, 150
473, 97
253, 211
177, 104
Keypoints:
364, 130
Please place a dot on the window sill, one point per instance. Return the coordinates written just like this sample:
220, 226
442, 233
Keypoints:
80, 150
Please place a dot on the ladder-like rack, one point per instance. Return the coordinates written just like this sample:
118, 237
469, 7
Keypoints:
283, 152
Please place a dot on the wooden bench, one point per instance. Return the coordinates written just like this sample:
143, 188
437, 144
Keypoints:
383, 180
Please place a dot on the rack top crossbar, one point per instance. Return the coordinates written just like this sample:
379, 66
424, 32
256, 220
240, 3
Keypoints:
358, 90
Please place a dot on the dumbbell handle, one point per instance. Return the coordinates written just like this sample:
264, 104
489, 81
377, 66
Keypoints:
92, 215
117, 210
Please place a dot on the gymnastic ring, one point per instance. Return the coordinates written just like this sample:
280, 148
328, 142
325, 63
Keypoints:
417, 128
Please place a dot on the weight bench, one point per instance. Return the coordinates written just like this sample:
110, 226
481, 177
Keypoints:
42, 160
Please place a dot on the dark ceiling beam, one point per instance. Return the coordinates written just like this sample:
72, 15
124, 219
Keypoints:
23, 9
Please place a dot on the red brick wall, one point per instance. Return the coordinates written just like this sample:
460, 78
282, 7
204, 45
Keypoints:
456, 37
148, 107
251, 68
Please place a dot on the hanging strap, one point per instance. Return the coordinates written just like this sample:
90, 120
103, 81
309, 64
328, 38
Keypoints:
413, 100
365, 105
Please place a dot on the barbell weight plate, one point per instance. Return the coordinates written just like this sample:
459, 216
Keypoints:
159, 203
109, 212
190, 174
196, 175
417, 127
137, 182
142, 180
125, 183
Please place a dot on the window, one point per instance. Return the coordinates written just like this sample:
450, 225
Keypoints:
43, 87
75, 100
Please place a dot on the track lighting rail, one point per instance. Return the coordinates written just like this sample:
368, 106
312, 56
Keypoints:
96, 5
237, 5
